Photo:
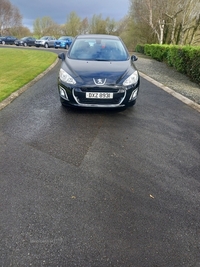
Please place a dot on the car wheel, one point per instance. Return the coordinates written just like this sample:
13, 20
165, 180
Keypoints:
46, 45
3, 42
25, 44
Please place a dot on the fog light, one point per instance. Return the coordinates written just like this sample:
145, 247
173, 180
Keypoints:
133, 95
63, 93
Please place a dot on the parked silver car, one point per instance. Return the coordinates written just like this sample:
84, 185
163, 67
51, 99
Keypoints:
45, 41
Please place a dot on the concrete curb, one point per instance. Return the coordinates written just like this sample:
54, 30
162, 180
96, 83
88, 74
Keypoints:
14, 95
172, 92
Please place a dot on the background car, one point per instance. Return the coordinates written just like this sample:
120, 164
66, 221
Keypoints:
63, 42
98, 72
25, 41
45, 41
7, 40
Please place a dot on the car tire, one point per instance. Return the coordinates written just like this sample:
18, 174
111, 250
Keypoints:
46, 45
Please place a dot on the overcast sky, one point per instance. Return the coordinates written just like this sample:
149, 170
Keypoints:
58, 10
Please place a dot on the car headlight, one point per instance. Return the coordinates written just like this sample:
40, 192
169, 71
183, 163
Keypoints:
65, 77
133, 78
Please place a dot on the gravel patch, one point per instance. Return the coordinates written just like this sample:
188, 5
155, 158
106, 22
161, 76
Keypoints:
168, 76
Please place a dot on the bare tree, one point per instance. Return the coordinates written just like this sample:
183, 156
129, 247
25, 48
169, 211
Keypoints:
175, 22
73, 25
98, 24
84, 28
111, 26
195, 29
9, 17
150, 12
191, 10
45, 26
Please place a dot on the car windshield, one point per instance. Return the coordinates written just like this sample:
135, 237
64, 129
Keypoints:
98, 49
44, 38
64, 38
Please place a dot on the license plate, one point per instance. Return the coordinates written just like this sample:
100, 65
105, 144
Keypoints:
99, 95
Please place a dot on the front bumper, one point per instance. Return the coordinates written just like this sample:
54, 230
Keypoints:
76, 96
19, 44
39, 44
60, 45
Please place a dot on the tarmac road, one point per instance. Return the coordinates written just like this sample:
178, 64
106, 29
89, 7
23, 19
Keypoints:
99, 188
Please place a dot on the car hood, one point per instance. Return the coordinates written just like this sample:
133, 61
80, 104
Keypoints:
85, 71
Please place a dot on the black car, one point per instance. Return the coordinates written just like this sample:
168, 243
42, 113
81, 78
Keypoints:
98, 72
25, 41
7, 40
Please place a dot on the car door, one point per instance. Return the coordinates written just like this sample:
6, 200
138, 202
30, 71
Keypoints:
51, 41
8, 40
30, 41
11, 39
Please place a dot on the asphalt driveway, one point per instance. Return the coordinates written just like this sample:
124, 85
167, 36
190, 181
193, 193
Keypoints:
99, 188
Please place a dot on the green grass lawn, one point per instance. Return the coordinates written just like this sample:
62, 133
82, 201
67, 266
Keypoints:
20, 66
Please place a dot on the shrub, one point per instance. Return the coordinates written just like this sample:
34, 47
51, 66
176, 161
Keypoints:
185, 59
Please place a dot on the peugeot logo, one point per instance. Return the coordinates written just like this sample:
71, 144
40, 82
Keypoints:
99, 81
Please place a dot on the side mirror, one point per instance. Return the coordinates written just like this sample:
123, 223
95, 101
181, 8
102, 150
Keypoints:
61, 56
134, 58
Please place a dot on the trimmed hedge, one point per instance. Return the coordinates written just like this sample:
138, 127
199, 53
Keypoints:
185, 59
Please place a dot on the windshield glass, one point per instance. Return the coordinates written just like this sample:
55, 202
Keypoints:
64, 38
98, 49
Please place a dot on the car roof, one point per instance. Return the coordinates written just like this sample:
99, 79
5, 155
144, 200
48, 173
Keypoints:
97, 36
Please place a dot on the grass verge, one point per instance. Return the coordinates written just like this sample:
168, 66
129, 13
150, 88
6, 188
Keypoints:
19, 66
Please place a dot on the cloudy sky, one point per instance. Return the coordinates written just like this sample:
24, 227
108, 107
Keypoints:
58, 10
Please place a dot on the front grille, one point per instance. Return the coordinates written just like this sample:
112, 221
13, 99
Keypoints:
80, 96
86, 101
